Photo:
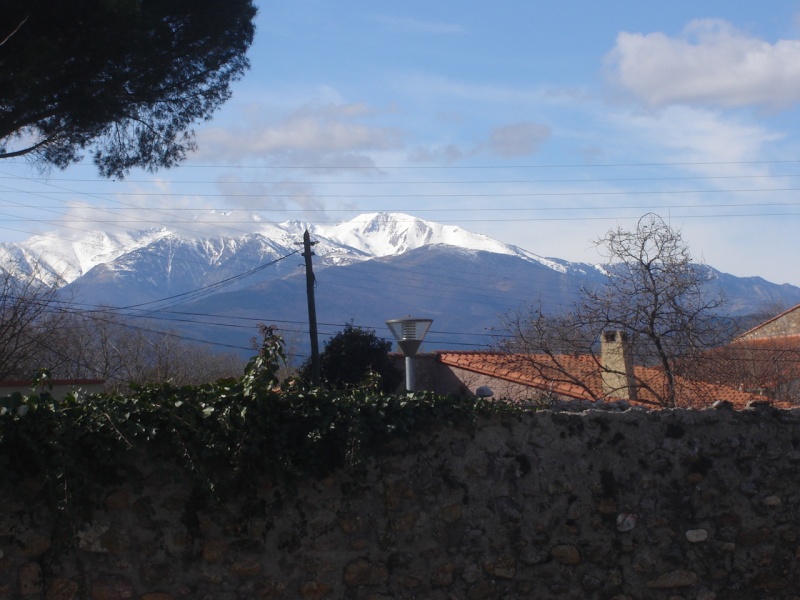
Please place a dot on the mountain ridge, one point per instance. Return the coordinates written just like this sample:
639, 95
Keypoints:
57, 260
371, 268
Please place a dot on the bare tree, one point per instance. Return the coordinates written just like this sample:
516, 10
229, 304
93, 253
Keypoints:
654, 294
769, 367
101, 344
177, 361
547, 343
40, 330
657, 295
28, 317
764, 362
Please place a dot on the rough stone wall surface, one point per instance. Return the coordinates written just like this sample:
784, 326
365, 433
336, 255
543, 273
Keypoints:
786, 324
610, 505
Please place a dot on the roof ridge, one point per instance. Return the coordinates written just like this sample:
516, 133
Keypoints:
767, 322
580, 369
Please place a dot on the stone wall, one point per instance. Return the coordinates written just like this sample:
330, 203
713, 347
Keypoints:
787, 323
608, 505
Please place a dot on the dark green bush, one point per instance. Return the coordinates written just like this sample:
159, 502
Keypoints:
227, 436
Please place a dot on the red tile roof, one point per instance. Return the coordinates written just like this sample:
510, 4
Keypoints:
781, 343
764, 363
580, 377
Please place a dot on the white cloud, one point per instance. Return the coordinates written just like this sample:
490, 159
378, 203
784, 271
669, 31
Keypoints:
506, 141
335, 110
318, 133
303, 133
447, 154
517, 139
712, 64
460, 94
696, 136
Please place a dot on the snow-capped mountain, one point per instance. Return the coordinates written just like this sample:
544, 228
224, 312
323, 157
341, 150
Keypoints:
374, 267
56, 260
391, 234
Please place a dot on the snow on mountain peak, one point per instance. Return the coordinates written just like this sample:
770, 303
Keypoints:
54, 260
389, 234
58, 260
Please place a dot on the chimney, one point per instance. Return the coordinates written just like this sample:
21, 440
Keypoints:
617, 373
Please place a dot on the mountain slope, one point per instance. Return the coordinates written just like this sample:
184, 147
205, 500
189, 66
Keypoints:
57, 261
467, 293
372, 268
390, 234
172, 265
365, 237
146, 267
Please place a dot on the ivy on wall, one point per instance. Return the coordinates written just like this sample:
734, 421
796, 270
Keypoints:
226, 435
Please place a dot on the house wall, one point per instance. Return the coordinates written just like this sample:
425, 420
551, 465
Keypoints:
785, 324
502, 389
433, 376
670, 504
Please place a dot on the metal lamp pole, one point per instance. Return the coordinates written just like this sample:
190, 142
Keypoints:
409, 333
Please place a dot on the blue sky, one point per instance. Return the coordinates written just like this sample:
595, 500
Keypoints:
542, 124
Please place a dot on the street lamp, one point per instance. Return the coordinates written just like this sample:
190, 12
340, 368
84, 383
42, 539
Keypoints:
409, 333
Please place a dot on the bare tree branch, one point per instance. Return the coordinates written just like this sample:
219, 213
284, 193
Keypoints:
655, 295
15, 30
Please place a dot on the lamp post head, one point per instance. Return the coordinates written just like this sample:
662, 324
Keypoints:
409, 333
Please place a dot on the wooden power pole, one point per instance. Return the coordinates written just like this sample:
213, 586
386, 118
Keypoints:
312, 309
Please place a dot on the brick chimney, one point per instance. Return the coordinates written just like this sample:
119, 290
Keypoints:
617, 374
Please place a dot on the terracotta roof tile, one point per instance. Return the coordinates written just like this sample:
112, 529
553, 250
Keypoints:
753, 363
579, 377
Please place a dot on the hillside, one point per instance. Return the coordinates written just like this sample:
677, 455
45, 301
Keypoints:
376, 267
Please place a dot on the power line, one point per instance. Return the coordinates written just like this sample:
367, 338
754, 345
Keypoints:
112, 200
485, 167
211, 210
195, 294
351, 196
415, 182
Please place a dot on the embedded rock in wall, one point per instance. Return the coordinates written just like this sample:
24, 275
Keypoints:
689, 504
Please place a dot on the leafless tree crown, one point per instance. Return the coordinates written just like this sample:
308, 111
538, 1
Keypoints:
654, 293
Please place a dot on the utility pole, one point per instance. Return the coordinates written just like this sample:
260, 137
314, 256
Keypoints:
312, 309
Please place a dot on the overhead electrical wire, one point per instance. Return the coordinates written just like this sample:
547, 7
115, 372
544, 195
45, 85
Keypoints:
172, 334
178, 299
440, 279
78, 205
487, 167
168, 302
178, 217
435, 210
419, 181
61, 223
191, 295
180, 316
150, 309
493, 337
349, 196
177, 316
66, 307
